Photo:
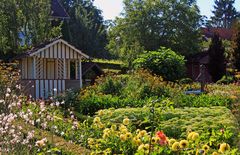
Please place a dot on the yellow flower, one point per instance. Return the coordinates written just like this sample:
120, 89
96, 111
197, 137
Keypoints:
146, 147
100, 112
129, 135
136, 141
126, 121
122, 127
142, 133
100, 125
90, 141
123, 137
175, 146
214, 153
183, 144
224, 147
190, 135
193, 136
96, 120
141, 147
113, 127
171, 141
105, 135
107, 130
155, 140
206, 148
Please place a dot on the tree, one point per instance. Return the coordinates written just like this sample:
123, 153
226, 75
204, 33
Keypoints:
148, 24
85, 29
164, 62
8, 27
224, 14
217, 66
24, 23
236, 45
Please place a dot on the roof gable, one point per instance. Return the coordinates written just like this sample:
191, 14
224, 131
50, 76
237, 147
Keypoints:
56, 48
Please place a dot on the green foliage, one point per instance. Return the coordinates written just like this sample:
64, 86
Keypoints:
24, 20
204, 100
85, 28
163, 62
133, 90
224, 13
177, 122
148, 24
217, 67
226, 80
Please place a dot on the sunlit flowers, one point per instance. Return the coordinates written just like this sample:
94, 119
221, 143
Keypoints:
224, 147
162, 137
205, 148
183, 144
193, 136
175, 146
126, 121
96, 120
123, 137
41, 143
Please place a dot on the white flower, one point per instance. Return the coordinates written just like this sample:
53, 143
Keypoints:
2, 101
55, 89
7, 95
8, 90
57, 104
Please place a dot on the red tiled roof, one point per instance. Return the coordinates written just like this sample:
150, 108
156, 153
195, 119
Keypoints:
223, 33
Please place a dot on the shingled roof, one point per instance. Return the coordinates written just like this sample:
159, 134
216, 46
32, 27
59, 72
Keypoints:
58, 10
223, 33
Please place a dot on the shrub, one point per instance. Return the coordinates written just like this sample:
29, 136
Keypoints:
177, 122
164, 62
203, 100
226, 80
132, 90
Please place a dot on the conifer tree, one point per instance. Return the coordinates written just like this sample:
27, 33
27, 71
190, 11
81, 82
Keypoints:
216, 59
224, 13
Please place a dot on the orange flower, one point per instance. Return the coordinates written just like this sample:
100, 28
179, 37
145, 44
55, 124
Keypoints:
162, 137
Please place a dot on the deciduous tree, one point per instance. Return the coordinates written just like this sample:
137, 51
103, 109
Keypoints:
149, 24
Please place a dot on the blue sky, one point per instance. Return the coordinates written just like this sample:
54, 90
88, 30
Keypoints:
112, 8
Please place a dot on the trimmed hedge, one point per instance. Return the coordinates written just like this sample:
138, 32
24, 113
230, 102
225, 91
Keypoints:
177, 122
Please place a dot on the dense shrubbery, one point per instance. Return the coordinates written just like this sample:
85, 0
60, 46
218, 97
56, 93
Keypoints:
203, 100
133, 90
164, 62
121, 138
176, 122
138, 89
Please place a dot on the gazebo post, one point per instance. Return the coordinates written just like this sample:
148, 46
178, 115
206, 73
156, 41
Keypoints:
64, 69
34, 67
80, 71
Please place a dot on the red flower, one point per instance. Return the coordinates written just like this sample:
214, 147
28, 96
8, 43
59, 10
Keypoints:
162, 137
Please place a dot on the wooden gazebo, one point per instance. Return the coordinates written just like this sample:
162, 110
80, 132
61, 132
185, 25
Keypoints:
51, 68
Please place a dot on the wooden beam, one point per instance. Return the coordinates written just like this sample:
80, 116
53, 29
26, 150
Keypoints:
34, 67
80, 72
64, 69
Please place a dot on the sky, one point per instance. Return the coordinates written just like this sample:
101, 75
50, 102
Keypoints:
112, 8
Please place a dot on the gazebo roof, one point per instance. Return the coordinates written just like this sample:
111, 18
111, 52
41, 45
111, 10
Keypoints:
36, 50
